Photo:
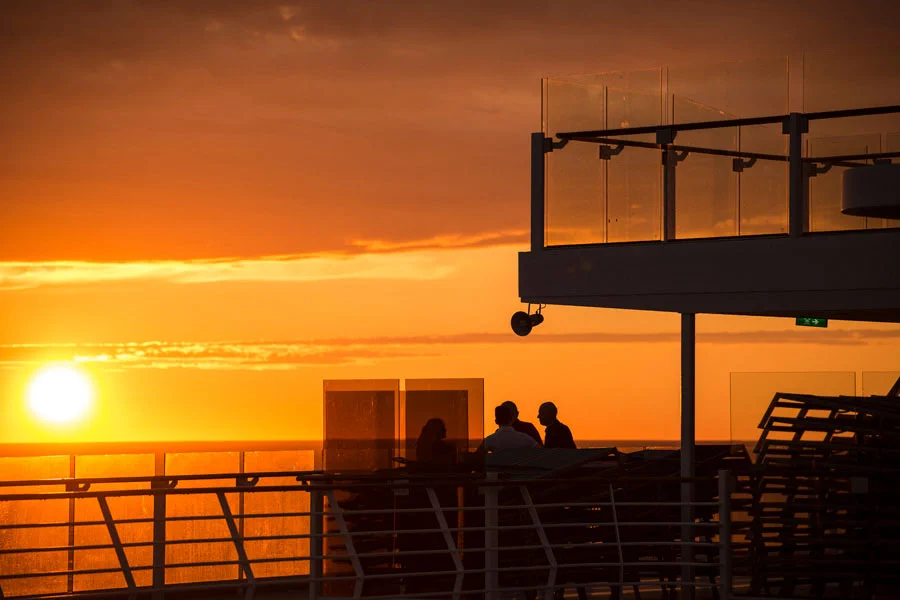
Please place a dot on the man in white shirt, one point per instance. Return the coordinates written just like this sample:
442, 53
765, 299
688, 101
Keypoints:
506, 437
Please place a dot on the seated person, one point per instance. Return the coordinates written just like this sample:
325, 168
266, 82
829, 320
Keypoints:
506, 437
557, 435
523, 426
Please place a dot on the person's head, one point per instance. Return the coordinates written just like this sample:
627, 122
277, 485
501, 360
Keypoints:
434, 429
503, 416
547, 413
513, 408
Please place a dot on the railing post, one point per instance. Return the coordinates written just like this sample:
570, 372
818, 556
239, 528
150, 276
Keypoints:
491, 539
159, 528
688, 373
725, 534
316, 547
70, 579
795, 126
538, 145
670, 161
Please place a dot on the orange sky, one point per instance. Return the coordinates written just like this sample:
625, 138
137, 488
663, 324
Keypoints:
260, 196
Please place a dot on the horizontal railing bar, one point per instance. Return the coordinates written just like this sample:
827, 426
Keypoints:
853, 112
676, 127
846, 157
680, 148
724, 123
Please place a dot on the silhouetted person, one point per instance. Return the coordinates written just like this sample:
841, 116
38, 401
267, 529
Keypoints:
522, 426
432, 447
556, 435
506, 438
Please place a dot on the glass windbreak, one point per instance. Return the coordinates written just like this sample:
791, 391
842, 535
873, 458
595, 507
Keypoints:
457, 403
259, 503
633, 194
575, 179
199, 505
712, 198
826, 188
360, 424
878, 383
752, 393
30, 512
121, 507
589, 200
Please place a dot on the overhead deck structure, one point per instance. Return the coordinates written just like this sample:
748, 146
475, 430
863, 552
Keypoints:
716, 190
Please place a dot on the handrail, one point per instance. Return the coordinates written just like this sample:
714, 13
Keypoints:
566, 535
724, 123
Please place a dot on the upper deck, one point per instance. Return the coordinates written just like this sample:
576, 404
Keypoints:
717, 190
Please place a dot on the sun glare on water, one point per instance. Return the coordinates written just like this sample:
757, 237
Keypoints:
60, 394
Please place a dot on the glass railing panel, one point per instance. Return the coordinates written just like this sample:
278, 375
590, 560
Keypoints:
878, 383
752, 393
763, 186
258, 503
194, 505
712, 199
20, 512
360, 424
634, 177
458, 403
125, 507
575, 179
843, 81
826, 189
706, 186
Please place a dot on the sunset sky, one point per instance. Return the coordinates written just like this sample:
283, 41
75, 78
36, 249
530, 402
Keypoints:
216, 205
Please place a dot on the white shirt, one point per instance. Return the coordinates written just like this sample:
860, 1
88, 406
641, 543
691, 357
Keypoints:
507, 438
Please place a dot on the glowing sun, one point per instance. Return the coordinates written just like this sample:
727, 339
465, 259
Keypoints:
60, 394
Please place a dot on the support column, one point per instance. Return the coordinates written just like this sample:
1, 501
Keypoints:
538, 144
795, 126
688, 372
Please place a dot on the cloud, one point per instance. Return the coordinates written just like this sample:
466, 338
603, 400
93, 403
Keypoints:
409, 266
288, 354
447, 241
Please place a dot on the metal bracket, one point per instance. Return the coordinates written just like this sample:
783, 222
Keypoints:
679, 156
550, 145
76, 486
607, 152
163, 484
738, 164
246, 482
813, 169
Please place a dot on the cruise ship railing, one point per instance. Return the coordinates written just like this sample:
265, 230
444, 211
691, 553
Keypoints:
613, 141
380, 536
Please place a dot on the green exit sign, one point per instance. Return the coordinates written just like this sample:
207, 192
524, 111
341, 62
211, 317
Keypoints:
812, 322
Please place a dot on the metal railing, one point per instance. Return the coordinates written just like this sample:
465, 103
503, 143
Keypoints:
800, 168
380, 536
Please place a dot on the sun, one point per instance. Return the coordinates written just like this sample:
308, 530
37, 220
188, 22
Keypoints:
60, 394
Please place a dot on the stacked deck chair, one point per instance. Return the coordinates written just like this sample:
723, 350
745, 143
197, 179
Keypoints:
823, 501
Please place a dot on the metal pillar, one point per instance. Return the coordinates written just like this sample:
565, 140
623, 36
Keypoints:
159, 529
688, 371
538, 145
795, 126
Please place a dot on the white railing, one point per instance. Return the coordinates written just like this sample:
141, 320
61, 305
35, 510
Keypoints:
382, 536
